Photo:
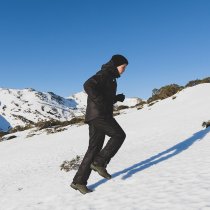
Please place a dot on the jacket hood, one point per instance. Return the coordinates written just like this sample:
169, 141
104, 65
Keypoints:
109, 66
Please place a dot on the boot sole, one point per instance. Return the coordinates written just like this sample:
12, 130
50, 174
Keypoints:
95, 169
74, 187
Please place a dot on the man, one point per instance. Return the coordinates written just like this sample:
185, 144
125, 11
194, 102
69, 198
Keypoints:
101, 90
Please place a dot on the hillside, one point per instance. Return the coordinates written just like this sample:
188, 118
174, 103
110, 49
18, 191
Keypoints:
163, 163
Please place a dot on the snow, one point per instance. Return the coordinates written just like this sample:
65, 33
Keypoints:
80, 98
16, 105
163, 163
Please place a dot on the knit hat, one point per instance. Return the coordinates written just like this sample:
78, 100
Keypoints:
119, 60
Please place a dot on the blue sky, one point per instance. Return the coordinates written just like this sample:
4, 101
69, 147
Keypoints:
56, 45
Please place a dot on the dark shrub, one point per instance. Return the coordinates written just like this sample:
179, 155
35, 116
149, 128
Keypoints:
206, 124
197, 81
116, 113
3, 133
47, 124
72, 164
7, 138
20, 128
152, 103
164, 92
25, 120
141, 103
76, 120
122, 107
51, 123
11, 137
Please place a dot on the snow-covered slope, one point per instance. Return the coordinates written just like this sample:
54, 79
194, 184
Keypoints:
21, 106
163, 163
80, 98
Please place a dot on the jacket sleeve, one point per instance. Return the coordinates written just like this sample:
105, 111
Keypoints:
92, 88
115, 99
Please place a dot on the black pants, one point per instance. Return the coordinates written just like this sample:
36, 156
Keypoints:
98, 128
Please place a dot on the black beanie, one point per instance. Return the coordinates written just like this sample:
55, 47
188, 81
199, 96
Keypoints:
118, 60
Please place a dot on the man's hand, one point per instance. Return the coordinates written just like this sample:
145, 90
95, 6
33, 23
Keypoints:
120, 97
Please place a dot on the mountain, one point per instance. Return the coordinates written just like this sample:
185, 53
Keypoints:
162, 164
23, 106
28, 106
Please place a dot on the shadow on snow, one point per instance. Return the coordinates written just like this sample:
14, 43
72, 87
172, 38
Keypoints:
160, 157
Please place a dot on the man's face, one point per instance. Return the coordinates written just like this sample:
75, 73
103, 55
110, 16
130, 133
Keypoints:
121, 68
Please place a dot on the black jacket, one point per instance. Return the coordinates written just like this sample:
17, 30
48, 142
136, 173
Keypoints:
101, 90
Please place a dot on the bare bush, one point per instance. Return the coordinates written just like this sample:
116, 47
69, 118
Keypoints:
72, 164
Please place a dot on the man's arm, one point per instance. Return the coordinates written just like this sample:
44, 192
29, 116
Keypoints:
115, 99
92, 88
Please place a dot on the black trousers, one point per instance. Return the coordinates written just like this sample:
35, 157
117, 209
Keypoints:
98, 128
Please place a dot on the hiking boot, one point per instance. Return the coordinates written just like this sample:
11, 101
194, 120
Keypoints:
101, 170
81, 187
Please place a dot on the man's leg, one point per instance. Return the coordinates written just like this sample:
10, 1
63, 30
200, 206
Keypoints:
111, 128
96, 141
